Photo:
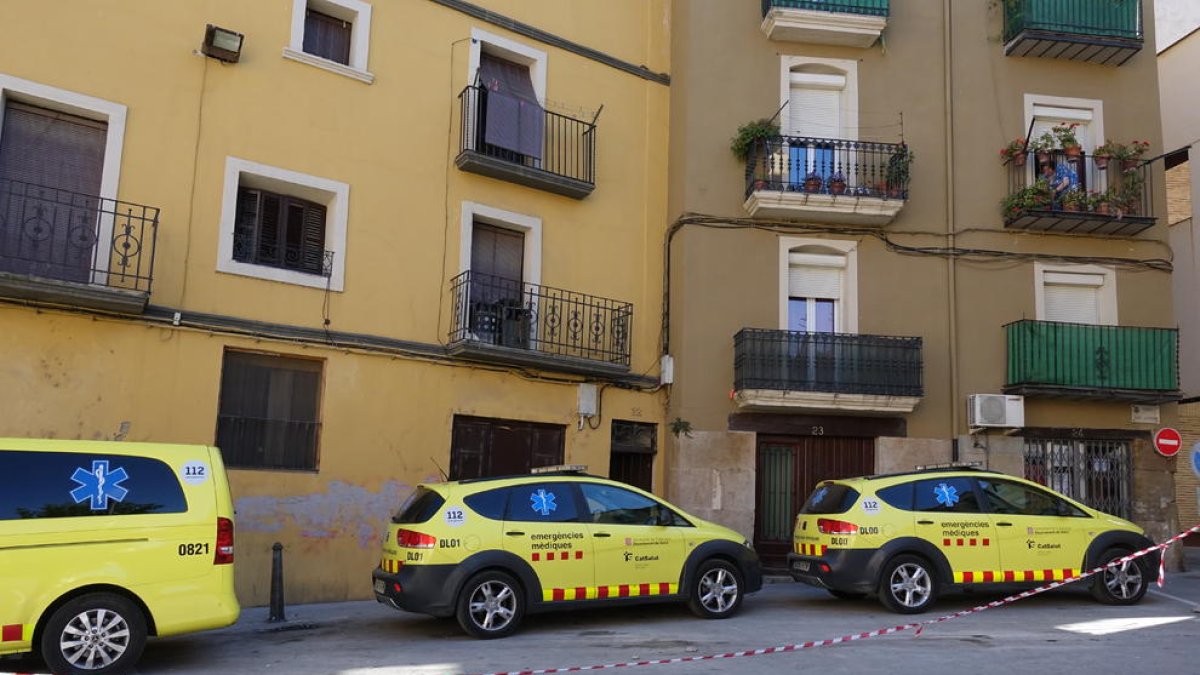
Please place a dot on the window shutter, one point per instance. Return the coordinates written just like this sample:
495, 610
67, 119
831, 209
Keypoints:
312, 239
245, 225
270, 240
815, 105
327, 37
1073, 302
54, 149
815, 276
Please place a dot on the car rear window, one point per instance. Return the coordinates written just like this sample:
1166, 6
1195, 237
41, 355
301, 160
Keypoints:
898, 496
830, 498
420, 506
489, 504
76, 484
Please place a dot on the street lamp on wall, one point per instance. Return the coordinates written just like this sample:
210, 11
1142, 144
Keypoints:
222, 44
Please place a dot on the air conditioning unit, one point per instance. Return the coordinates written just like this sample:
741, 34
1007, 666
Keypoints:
995, 410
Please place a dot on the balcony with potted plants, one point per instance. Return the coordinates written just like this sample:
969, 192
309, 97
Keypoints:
779, 370
74, 249
1107, 32
1053, 186
499, 320
1083, 361
830, 180
849, 23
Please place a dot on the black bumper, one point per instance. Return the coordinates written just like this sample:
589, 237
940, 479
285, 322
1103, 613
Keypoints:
850, 570
422, 588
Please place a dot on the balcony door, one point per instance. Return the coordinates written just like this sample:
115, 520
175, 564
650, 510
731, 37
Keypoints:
814, 306
499, 312
815, 104
50, 171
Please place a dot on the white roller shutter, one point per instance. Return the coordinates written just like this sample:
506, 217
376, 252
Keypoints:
815, 276
1074, 298
815, 105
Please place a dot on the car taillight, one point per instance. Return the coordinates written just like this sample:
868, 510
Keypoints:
410, 539
224, 555
830, 526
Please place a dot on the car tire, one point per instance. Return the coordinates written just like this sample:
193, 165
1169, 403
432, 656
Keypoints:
908, 585
490, 605
717, 590
94, 634
1123, 584
846, 595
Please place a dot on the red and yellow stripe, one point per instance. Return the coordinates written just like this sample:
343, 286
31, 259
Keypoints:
1010, 576
602, 592
390, 566
811, 549
562, 555
967, 542
15, 632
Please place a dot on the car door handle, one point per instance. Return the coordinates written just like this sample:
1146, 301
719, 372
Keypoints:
924, 522
515, 534
1004, 524
601, 534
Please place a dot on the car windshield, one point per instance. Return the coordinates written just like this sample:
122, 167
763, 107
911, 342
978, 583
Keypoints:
830, 498
419, 507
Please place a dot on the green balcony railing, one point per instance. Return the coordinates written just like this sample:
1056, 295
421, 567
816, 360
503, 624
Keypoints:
868, 7
1122, 362
1100, 18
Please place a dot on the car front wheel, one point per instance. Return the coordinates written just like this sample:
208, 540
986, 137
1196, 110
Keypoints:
908, 585
94, 634
1123, 584
490, 605
716, 591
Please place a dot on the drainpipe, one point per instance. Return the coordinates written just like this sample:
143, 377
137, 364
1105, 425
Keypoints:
951, 263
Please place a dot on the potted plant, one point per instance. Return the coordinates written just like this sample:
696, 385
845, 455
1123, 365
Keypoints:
1131, 154
837, 183
1104, 153
1064, 134
1042, 145
1075, 200
1128, 198
1036, 196
897, 172
1098, 202
1014, 152
750, 134
813, 182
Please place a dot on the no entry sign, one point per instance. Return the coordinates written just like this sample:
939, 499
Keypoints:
1167, 442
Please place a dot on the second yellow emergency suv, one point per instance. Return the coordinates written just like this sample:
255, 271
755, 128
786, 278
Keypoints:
490, 550
909, 536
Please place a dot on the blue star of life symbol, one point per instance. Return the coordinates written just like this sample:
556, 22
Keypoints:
543, 502
99, 485
946, 494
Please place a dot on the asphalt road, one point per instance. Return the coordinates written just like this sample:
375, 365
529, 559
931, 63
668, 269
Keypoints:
1062, 631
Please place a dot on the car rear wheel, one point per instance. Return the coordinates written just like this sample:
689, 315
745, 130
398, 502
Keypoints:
490, 605
908, 585
96, 634
1123, 584
717, 590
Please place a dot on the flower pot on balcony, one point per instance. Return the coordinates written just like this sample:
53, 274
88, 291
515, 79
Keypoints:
1101, 161
837, 187
1070, 206
1128, 164
760, 185
812, 185
1102, 209
1018, 159
1072, 150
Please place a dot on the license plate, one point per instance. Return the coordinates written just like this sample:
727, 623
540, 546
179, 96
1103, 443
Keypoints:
800, 565
380, 587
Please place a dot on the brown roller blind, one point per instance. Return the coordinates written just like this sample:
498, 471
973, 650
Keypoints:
45, 147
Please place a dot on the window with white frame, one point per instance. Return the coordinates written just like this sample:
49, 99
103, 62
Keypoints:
500, 258
822, 103
1084, 294
283, 225
818, 289
332, 34
509, 85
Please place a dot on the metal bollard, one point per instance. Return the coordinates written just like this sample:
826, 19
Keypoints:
276, 584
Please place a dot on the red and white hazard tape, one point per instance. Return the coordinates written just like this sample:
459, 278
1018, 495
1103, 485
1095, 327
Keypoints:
883, 631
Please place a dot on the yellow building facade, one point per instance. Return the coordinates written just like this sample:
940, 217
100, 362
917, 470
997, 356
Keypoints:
389, 241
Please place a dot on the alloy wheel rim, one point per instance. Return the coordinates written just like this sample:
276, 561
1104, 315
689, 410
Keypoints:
493, 605
94, 639
1123, 581
911, 585
718, 590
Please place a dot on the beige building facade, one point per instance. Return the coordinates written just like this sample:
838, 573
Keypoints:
357, 245
852, 296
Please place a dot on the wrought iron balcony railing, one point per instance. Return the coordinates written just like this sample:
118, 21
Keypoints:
1082, 360
49, 233
1099, 31
1105, 196
249, 248
827, 362
829, 166
868, 7
527, 145
493, 311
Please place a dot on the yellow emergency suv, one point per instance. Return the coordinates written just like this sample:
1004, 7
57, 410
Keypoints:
491, 550
909, 536
105, 543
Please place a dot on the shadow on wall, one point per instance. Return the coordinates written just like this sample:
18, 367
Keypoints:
343, 510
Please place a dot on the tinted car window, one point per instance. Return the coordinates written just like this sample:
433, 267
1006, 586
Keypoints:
830, 498
1012, 498
69, 484
489, 504
420, 506
612, 505
897, 496
949, 495
542, 503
